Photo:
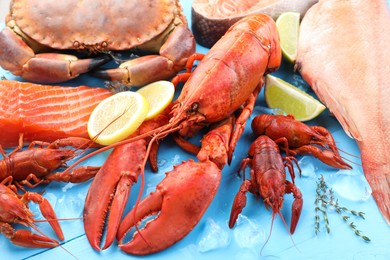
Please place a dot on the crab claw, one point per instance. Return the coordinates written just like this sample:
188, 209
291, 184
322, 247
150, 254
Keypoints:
180, 201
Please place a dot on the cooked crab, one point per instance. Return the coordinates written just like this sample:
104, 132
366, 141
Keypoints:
38, 31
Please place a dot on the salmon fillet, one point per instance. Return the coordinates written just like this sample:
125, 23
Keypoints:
212, 18
344, 54
45, 113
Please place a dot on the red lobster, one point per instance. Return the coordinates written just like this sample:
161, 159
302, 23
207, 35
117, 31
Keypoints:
35, 164
234, 70
13, 209
268, 180
295, 137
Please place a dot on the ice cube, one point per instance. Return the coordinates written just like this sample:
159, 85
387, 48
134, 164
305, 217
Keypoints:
213, 237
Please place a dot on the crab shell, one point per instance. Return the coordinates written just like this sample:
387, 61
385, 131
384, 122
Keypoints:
95, 25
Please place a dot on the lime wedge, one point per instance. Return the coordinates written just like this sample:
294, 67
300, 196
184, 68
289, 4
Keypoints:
288, 27
291, 100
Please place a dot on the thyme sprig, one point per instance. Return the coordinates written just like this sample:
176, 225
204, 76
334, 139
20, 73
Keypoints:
324, 198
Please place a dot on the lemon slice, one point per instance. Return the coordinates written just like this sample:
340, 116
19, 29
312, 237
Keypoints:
159, 94
291, 100
117, 117
288, 27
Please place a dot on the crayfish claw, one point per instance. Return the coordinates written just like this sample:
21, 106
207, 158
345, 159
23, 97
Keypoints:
26, 238
297, 205
180, 201
326, 156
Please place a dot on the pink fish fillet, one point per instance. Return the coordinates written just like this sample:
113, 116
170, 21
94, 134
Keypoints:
344, 54
45, 113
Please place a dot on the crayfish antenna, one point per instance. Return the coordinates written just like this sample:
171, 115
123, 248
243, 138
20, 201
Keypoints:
272, 224
270, 231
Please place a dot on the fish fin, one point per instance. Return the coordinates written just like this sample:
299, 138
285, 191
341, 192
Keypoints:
338, 111
380, 185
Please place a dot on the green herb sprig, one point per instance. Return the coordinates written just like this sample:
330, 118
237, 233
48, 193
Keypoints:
325, 197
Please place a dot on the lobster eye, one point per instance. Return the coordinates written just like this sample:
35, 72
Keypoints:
194, 107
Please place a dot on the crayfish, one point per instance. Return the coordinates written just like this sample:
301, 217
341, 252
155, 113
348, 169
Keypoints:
36, 164
268, 180
14, 210
295, 137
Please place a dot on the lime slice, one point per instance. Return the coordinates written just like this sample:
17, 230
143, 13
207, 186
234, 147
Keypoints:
117, 117
291, 100
159, 94
288, 27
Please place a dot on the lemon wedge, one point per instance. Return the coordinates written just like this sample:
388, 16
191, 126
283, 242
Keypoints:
117, 117
159, 94
288, 27
291, 100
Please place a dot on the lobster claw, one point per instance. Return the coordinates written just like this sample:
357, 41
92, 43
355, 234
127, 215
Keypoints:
180, 201
109, 192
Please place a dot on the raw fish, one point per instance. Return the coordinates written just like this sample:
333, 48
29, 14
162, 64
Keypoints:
344, 54
212, 18
45, 113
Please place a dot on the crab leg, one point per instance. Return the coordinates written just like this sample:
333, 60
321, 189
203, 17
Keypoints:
45, 67
146, 69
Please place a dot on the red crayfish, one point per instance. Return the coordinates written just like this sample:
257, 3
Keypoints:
268, 180
14, 210
295, 137
36, 164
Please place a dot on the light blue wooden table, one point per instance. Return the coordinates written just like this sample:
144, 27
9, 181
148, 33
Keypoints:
212, 238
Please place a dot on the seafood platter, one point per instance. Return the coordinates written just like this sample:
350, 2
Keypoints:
324, 199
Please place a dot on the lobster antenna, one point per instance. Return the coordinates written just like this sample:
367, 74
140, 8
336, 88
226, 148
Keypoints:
108, 147
60, 219
141, 191
93, 139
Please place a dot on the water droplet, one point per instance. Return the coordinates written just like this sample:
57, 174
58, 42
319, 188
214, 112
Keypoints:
161, 163
67, 186
298, 81
258, 110
213, 237
175, 159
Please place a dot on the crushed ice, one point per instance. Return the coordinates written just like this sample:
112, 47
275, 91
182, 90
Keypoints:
248, 233
213, 237
351, 185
